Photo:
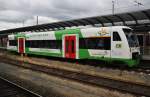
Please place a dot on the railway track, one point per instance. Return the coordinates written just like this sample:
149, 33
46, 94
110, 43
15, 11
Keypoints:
134, 88
123, 86
141, 70
9, 89
144, 67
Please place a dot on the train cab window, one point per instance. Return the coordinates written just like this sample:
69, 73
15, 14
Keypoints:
116, 36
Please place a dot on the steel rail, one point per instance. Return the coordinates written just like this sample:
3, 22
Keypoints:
19, 88
125, 86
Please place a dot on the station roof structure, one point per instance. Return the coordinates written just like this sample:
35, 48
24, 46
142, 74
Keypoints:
139, 21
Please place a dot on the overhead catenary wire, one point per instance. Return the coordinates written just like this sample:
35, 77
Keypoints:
115, 9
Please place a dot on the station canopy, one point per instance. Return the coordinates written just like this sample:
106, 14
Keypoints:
139, 21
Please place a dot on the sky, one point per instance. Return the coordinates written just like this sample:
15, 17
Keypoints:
19, 13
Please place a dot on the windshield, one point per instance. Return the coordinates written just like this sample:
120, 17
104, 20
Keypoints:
131, 37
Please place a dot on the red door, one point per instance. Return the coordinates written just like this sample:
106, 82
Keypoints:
21, 45
70, 47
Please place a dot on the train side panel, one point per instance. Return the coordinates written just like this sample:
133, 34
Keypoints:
89, 43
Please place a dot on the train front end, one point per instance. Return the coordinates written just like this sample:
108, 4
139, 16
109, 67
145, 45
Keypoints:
134, 47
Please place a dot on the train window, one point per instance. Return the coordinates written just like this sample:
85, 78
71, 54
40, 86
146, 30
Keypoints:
27, 43
13, 42
107, 43
41, 44
82, 43
95, 43
91, 43
30, 43
47, 45
35, 45
59, 44
116, 36
52, 44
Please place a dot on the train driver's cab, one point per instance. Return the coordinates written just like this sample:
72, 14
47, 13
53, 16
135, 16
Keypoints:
132, 42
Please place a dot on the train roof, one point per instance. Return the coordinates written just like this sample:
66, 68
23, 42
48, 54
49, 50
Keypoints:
89, 28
